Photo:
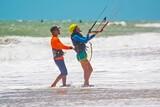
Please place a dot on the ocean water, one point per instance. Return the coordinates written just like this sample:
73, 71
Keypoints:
126, 73
41, 29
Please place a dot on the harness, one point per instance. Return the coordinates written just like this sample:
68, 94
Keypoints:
57, 53
79, 47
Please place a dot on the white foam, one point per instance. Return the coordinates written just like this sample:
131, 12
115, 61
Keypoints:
129, 61
154, 25
120, 23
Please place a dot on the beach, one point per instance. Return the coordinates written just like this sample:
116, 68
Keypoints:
126, 72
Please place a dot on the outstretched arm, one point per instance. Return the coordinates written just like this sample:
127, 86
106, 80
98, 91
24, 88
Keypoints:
57, 44
62, 46
83, 39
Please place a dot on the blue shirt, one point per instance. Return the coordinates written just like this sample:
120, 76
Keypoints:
83, 39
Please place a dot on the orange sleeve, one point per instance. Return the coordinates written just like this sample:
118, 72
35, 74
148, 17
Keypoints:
57, 44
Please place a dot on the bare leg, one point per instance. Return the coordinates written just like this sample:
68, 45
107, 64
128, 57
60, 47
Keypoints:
57, 79
64, 80
87, 68
90, 69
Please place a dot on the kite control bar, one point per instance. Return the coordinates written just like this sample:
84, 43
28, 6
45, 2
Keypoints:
100, 28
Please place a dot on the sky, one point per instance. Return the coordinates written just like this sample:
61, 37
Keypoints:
79, 9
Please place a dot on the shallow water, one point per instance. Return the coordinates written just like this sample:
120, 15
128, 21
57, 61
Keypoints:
126, 73
83, 97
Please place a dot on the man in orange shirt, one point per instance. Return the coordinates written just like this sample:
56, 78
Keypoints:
58, 53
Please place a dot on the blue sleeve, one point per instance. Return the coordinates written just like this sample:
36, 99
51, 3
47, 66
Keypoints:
83, 39
91, 37
80, 39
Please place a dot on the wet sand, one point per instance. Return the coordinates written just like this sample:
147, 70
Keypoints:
83, 97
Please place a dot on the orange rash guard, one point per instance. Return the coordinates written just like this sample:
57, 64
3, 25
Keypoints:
58, 45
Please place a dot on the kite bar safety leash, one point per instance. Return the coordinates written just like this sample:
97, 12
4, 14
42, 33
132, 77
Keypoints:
91, 49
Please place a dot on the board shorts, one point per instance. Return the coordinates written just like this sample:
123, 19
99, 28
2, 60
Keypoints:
82, 56
62, 67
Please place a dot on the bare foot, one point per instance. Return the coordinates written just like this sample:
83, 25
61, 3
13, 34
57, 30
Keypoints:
87, 85
67, 85
53, 85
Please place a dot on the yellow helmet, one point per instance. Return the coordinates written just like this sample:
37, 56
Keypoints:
72, 27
